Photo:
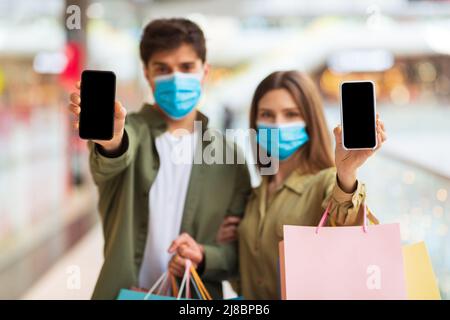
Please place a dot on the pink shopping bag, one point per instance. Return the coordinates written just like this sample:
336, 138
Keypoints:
363, 262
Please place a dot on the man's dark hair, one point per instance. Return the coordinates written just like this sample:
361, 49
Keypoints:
168, 34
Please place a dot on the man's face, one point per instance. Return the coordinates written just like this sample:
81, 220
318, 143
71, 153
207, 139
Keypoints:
182, 59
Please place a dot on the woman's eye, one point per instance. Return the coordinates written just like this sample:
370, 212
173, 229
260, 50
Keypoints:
293, 114
265, 115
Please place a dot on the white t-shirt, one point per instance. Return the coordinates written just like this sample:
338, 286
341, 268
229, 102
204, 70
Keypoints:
166, 202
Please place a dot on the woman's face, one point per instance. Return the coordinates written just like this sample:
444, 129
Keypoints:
276, 107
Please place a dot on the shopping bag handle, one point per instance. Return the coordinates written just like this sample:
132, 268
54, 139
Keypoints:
186, 280
161, 280
197, 283
200, 284
164, 288
167, 277
174, 285
327, 210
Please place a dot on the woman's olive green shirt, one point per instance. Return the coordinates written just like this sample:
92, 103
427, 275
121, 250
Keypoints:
300, 201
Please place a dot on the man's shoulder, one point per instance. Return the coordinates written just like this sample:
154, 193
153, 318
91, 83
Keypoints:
146, 117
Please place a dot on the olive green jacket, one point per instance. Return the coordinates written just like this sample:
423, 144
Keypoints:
214, 191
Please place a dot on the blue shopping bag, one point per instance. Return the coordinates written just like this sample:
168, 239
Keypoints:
167, 292
126, 294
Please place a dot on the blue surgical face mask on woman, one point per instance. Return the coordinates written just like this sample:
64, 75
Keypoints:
283, 139
178, 93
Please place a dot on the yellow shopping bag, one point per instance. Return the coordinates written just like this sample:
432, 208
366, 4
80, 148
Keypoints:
420, 279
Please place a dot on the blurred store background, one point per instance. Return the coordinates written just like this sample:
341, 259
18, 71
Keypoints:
49, 232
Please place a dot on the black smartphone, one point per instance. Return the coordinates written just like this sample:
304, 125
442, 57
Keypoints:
358, 115
98, 93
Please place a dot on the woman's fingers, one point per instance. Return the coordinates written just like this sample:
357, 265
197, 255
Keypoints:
231, 220
381, 138
230, 233
381, 131
381, 134
338, 135
78, 85
227, 234
231, 230
382, 125
230, 236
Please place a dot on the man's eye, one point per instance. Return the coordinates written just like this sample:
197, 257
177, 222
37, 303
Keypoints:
187, 68
161, 70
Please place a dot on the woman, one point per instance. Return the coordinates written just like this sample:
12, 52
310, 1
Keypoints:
308, 180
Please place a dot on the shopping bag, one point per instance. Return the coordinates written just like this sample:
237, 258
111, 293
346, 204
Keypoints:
363, 262
281, 270
129, 294
162, 294
166, 288
420, 279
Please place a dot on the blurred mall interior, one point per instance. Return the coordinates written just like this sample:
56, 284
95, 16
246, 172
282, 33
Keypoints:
49, 227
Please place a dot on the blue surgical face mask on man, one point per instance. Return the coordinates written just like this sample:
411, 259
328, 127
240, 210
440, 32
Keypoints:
281, 140
178, 93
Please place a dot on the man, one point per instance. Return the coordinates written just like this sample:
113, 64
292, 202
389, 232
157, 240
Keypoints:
148, 199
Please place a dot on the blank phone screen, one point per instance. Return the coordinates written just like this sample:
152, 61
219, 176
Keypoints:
358, 115
97, 104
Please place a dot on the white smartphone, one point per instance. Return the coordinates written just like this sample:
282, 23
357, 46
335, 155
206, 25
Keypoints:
358, 115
